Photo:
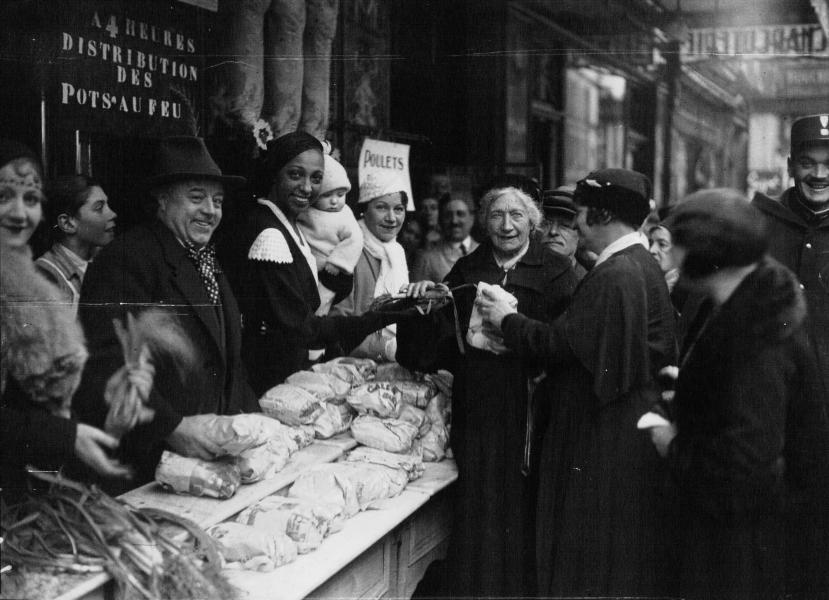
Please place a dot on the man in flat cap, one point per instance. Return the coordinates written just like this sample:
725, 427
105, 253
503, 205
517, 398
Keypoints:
600, 514
799, 223
169, 265
558, 230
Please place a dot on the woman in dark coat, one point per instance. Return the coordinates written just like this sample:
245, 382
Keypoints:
491, 549
276, 282
750, 440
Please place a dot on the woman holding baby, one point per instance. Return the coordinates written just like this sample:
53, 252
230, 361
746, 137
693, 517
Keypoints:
493, 528
281, 282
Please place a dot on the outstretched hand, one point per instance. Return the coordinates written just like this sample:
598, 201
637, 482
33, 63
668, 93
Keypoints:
493, 309
91, 445
189, 438
417, 289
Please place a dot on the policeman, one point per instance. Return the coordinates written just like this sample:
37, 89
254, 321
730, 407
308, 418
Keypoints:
799, 223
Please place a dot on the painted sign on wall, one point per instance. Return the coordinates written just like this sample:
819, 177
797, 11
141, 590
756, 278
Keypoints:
131, 68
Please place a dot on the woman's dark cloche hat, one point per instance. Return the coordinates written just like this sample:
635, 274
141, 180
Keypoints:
186, 157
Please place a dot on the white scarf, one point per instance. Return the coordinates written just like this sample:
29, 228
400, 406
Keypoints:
394, 272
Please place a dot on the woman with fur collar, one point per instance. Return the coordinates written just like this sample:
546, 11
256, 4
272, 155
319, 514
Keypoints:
42, 348
750, 439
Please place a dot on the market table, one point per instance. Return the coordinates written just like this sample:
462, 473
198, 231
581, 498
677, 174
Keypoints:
379, 553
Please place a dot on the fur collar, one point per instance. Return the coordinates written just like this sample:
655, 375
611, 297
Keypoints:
41, 344
772, 302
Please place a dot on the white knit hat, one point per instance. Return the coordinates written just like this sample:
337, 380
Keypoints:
334, 177
379, 183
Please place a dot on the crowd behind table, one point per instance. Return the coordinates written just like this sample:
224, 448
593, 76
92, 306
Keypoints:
640, 399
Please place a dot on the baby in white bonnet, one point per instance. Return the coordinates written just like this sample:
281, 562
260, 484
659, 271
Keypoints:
331, 230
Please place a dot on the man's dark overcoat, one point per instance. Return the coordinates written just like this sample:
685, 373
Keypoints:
148, 268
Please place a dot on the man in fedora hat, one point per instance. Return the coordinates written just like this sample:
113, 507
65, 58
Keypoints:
799, 223
170, 264
603, 356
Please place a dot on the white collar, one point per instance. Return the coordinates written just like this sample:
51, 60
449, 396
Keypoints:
626, 241
78, 264
511, 262
299, 238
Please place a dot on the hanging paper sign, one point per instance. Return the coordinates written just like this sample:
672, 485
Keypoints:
383, 168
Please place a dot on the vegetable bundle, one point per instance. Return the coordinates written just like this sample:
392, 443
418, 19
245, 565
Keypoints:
80, 529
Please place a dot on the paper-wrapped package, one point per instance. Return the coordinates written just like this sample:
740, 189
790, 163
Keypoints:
435, 441
416, 417
358, 486
264, 461
442, 380
235, 433
304, 521
481, 334
246, 547
416, 393
411, 462
353, 371
185, 475
293, 438
334, 419
392, 435
291, 404
382, 399
325, 484
322, 385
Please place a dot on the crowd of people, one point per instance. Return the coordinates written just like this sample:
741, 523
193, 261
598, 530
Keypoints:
640, 398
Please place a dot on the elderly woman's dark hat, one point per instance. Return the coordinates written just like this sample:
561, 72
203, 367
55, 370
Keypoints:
717, 228
180, 158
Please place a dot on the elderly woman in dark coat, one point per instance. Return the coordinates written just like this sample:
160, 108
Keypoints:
750, 440
492, 538
276, 282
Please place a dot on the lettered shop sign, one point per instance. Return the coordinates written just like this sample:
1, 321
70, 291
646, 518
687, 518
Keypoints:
383, 167
131, 68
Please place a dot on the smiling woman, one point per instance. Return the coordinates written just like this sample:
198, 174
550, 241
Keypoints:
382, 268
493, 419
277, 287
